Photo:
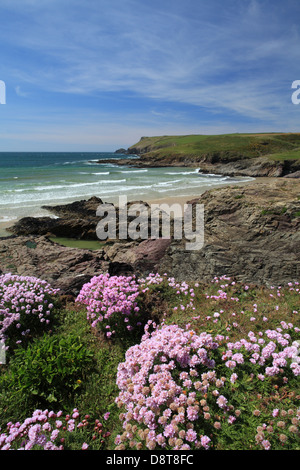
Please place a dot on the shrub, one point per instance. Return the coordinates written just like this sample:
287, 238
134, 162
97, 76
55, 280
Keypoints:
26, 307
49, 370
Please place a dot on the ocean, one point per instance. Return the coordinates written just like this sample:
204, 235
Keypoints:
30, 180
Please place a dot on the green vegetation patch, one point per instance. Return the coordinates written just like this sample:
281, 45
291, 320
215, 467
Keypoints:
277, 146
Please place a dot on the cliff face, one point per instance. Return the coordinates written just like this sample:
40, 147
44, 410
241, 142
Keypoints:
254, 167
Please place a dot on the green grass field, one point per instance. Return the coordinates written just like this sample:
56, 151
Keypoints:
274, 145
73, 366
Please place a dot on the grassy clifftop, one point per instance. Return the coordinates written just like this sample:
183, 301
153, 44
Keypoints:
276, 146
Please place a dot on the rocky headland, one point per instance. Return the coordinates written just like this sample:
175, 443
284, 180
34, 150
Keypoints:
255, 155
254, 167
251, 233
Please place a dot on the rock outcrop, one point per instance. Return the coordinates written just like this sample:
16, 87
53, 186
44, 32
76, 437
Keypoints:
75, 220
214, 164
251, 233
69, 268
296, 174
65, 268
255, 167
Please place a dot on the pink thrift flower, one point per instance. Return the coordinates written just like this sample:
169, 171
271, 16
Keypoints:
205, 441
191, 435
222, 401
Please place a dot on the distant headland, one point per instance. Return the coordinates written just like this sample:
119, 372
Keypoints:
255, 155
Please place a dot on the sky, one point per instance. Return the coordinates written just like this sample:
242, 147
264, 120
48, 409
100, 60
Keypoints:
96, 75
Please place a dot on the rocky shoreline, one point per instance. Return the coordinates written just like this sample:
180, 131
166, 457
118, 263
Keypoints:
216, 162
254, 167
252, 233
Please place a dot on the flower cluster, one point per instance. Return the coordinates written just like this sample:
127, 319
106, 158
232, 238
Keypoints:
222, 294
164, 385
47, 430
183, 290
111, 302
282, 428
43, 430
272, 350
175, 383
25, 306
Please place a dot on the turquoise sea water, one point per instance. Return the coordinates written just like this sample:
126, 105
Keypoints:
31, 180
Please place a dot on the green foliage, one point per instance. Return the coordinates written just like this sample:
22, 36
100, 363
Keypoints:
48, 371
276, 211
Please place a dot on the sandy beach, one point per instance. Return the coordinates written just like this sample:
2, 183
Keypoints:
4, 226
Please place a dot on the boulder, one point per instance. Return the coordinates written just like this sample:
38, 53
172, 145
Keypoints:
75, 220
296, 174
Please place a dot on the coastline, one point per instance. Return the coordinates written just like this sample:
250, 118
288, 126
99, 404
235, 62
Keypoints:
183, 199
251, 235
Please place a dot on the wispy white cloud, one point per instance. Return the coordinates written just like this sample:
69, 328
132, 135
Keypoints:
20, 92
228, 59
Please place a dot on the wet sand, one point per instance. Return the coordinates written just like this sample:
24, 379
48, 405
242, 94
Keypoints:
184, 199
4, 226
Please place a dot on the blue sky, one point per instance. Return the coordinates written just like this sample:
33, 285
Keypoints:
96, 75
